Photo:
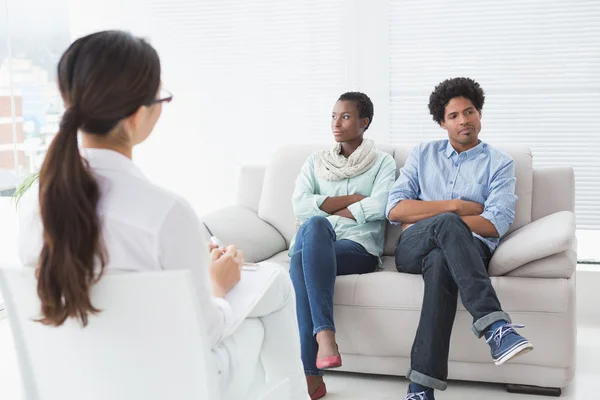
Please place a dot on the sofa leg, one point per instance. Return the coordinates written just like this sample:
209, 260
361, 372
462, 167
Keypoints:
541, 391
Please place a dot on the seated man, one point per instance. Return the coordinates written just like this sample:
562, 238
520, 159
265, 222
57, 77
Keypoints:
454, 198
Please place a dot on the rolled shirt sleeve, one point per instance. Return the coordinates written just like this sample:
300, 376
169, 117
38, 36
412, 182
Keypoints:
499, 208
305, 202
372, 208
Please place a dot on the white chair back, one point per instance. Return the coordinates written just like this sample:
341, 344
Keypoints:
148, 342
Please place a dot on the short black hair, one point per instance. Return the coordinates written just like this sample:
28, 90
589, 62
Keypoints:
451, 88
363, 103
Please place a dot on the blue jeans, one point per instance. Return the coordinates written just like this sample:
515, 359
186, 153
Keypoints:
451, 260
317, 259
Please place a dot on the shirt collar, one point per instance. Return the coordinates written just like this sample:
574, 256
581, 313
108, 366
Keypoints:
112, 160
449, 151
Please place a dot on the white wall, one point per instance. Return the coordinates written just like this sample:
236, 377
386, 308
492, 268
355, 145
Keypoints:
247, 78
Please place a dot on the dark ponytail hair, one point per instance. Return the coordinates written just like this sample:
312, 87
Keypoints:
103, 78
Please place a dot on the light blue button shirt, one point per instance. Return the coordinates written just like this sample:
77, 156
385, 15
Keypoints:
369, 228
435, 171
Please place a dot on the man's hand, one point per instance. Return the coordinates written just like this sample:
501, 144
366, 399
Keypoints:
464, 208
480, 225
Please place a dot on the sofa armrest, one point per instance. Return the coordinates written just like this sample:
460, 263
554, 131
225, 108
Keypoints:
243, 228
544, 237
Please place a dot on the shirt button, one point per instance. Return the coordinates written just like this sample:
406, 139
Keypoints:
451, 182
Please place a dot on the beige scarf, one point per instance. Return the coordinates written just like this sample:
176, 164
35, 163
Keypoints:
332, 166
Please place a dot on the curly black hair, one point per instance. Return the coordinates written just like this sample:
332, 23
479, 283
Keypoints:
363, 103
451, 88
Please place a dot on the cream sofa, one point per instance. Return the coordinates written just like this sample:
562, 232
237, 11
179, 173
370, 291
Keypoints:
376, 315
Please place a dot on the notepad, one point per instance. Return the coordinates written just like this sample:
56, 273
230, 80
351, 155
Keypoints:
247, 293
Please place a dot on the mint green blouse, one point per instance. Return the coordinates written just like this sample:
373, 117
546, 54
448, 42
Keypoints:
369, 228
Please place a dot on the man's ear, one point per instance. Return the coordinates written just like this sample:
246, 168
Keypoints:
443, 125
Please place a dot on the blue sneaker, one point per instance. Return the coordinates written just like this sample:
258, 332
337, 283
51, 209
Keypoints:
416, 393
506, 343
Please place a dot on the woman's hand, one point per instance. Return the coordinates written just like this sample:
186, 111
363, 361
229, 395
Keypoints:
225, 269
358, 197
345, 213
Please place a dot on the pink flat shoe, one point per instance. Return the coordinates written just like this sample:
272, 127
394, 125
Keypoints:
329, 362
320, 392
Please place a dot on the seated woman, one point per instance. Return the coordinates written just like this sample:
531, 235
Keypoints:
97, 213
339, 200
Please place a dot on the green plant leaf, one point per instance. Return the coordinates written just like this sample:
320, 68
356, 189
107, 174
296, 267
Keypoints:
24, 187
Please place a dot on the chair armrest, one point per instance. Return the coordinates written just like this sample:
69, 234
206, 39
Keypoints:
243, 228
544, 237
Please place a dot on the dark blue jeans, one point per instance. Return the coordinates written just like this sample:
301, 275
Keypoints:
451, 260
317, 259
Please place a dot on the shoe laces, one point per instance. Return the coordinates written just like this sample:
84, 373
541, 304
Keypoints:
416, 396
500, 333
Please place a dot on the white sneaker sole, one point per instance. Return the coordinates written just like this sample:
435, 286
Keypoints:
521, 349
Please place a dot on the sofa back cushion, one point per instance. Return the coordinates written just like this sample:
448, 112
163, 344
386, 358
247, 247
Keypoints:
280, 177
524, 189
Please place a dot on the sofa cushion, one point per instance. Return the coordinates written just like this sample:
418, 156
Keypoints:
276, 200
400, 290
542, 238
258, 240
561, 265
282, 259
392, 234
553, 191
390, 289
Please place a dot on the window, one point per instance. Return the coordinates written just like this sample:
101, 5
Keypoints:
33, 35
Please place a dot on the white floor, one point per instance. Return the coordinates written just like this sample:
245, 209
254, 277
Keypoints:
344, 386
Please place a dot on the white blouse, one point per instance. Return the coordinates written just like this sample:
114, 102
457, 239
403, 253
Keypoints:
144, 227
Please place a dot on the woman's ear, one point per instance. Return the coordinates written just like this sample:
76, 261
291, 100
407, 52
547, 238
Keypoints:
134, 121
365, 123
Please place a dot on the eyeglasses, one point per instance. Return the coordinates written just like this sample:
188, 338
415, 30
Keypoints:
164, 96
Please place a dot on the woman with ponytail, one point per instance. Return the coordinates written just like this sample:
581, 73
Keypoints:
96, 213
